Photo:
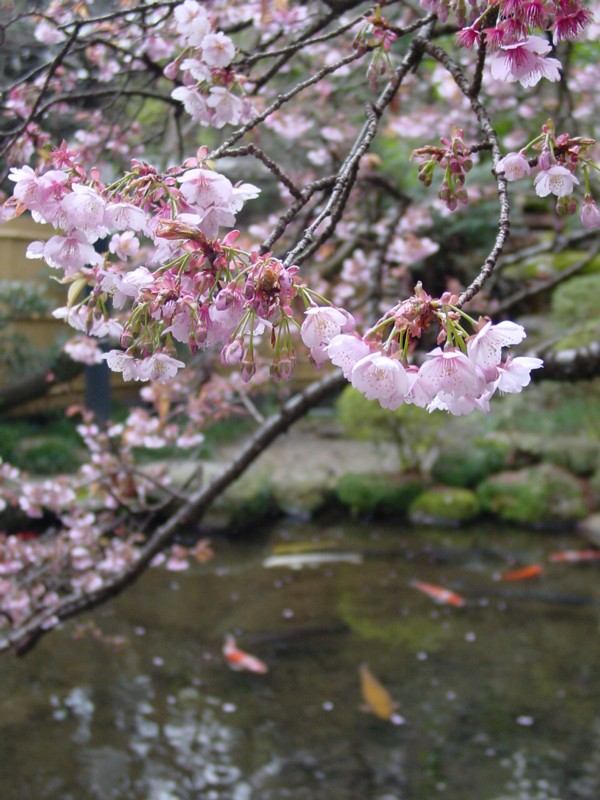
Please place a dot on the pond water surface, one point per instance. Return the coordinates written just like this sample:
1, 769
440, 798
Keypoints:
498, 700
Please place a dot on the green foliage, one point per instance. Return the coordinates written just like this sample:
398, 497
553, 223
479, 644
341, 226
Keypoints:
577, 299
48, 455
11, 433
379, 495
42, 445
445, 505
549, 409
468, 465
21, 300
413, 430
537, 496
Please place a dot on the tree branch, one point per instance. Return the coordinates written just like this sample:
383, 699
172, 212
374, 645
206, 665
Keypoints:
26, 636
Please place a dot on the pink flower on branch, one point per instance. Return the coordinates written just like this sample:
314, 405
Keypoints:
485, 348
381, 378
321, 325
450, 372
556, 180
514, 166
514, 375
525, 62
344, 350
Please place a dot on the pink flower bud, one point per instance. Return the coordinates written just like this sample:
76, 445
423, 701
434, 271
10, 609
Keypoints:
590, 213
232, 353
171, 70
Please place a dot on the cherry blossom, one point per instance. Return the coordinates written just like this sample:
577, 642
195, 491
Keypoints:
485, 348
124, 245
381, 378
514, 375
217, 50
70, 253
514, 166
450, 372
556, 180
320, 326
345, 350
84, 349
525, 61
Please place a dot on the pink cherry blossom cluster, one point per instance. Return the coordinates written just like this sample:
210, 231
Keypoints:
455, 160
517, 54
555, 160
459, 378
208, 76
194, 288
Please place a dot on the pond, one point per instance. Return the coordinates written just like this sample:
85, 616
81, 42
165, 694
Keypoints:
496, 700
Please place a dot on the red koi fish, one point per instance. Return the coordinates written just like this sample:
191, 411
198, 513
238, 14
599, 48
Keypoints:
238, 660
524, 573
574, 556
441, 595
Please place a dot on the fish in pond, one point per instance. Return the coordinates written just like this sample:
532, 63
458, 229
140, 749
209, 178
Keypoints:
524, 573
440, 594
378, 700
239, 660
574, 556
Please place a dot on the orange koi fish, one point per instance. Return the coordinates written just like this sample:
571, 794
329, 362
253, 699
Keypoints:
524, 573
574, 556
238, 660
378, 700
441, 595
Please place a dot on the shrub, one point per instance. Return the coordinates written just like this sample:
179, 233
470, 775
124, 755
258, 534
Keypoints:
543, 495
379, 495
444, 505
468, 466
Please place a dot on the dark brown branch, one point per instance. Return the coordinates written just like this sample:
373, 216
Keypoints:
491, 137
31, 388
24, 638
346, 177
272, 166
281, 100
298, 45
292, 212
301, 41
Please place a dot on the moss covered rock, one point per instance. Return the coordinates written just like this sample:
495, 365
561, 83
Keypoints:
444, 505
379, 495
579, 456
469, 465
543, 495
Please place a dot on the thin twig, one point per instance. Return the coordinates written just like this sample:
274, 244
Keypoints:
490, 135
281, 100
253, 150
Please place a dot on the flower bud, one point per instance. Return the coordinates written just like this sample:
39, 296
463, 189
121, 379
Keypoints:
590, 213
232, 353
444, 193
545, 160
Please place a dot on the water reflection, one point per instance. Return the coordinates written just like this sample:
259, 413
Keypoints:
501, 697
